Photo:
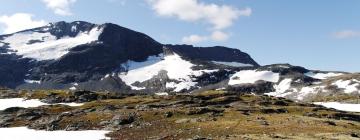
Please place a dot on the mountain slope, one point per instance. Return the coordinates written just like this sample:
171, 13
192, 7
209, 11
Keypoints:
107, 57
297, 83
82, 55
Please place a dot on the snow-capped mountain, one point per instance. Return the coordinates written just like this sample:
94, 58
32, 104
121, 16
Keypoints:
107, 57
81, 55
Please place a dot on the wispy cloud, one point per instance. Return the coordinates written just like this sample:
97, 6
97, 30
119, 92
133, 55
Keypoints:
219, 17
344, 34
215, 36
219, 36
193, 39
60, 7
19, 21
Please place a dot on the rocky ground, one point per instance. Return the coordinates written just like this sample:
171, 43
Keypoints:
206, 115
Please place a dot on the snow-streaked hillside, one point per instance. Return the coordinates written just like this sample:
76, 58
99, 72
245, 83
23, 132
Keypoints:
349, 86
322, 75
45, 46
251, 76
112, 58
107, 57
175, 67
325, 84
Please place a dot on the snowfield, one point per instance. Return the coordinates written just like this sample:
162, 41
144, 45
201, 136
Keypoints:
233, 64
20, 102
23, 133
32, 81
162, 94
281, 88
176, 68
322, 75
305, 91
340, 106
44, 46
349, 86
284, 89
251, 76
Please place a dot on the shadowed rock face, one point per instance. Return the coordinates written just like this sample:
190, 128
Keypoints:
217, 53
12, 70
116, 45
89, 63
62, 29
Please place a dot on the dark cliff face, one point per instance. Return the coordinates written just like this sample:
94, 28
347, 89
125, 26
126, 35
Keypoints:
12, 70
62, 28
92, 61
217, 53
89, 63
131, 44
116, 45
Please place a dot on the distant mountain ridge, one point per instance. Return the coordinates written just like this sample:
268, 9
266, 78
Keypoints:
107, 57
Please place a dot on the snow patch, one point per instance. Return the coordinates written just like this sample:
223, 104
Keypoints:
71, 104
23, 133
283, 85
305, 91
73, 28
341, 106
106, 76
180, 86
233, 64
20, 102
74, 86
279, 66
32, 81
349, 86
162, 94
251, 76
176, 68
47, 47
322, 75
223, 88
281, 88
137, 88
284, 89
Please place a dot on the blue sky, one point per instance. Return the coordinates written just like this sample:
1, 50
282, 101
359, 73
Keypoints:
321, 34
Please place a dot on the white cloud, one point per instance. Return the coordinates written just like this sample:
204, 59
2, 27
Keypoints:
193, 39
346, 34
219, 36
215, 36
219, 17
19, 21
60, 7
